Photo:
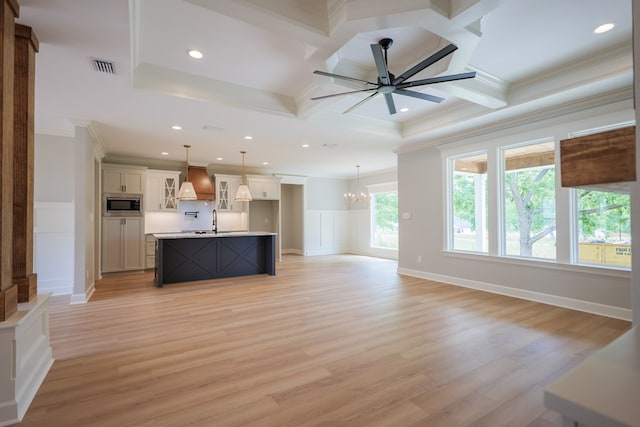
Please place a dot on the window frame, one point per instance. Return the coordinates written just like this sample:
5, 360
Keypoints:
387, 187
565, 206
502, 192
449, 205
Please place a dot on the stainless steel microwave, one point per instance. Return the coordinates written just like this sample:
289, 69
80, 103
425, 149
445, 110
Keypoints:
122, 204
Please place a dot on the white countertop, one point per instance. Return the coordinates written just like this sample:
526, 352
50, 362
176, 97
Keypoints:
210, 234
604, 390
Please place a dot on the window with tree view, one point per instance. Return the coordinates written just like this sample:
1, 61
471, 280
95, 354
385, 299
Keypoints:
384, 220
529, 201
469, 203
604, 228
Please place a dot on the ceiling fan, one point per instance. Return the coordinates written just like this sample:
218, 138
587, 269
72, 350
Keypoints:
388, 83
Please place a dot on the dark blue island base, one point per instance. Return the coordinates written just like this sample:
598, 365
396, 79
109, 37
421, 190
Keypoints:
184, 257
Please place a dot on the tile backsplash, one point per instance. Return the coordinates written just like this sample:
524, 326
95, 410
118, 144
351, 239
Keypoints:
171, 222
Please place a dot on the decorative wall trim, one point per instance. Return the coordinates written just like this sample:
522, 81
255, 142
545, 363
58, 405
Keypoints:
60, 286
24, 346
586, 306
323, 252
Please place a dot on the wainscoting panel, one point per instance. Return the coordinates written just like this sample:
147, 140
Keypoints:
54, 246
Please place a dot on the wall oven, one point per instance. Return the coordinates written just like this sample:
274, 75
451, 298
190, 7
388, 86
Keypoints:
122, 204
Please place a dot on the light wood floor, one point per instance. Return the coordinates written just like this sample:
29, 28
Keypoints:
329, 341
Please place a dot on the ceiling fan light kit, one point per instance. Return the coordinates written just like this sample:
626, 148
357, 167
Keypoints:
388, 83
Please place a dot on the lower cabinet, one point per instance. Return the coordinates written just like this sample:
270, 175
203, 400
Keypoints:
122, 244
150, 251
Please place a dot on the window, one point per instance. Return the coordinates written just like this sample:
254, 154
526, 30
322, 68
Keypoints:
604, 228
384, 220
529, 201
505, 200
469, 203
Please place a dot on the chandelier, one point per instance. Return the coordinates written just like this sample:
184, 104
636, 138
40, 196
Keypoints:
243, 194
187, 192
358, 196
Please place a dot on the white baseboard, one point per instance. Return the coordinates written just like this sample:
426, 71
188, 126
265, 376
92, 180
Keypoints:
575, 304
323, 252
84, 297
62, 286
292, 251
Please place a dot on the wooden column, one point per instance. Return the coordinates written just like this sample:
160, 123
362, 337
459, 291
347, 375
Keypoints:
8, 290
26, 46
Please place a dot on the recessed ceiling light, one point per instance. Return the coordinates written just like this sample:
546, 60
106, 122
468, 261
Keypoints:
604, 28
195, 54
164, 153
248, 137
219, 158
404, 109
305, 146
176, 127
265, 163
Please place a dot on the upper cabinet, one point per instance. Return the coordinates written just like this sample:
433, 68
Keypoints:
161, 190
264, 187
123, 179
226, 188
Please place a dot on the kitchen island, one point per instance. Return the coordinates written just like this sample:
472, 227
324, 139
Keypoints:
190, 256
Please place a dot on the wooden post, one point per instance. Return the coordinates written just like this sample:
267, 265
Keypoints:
8, 290
26, 46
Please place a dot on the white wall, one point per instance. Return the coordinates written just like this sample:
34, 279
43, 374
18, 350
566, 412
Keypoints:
65, 217
326, 194
292, 223
85, 217
54, 213
421, 193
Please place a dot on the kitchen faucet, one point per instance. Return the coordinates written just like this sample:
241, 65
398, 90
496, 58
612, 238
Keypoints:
214, 225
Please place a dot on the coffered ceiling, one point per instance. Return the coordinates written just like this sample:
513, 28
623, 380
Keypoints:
256, 77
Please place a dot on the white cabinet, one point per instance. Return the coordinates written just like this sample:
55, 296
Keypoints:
150, 251
122, 179
264, 187
161, 190
226, 188
122, 244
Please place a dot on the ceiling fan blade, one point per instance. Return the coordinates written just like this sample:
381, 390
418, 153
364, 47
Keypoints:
441, 79
381, 65
338, 76
425, 63
353, 107
419, 95
390, 105
342, 93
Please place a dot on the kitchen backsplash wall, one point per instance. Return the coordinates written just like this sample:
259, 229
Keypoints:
171, 222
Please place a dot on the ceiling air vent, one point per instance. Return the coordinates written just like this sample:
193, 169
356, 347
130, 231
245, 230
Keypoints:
103, 66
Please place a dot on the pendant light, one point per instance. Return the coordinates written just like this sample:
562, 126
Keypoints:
358, 196
187, 192
243, 194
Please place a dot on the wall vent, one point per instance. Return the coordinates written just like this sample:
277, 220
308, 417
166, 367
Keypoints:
103, 66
